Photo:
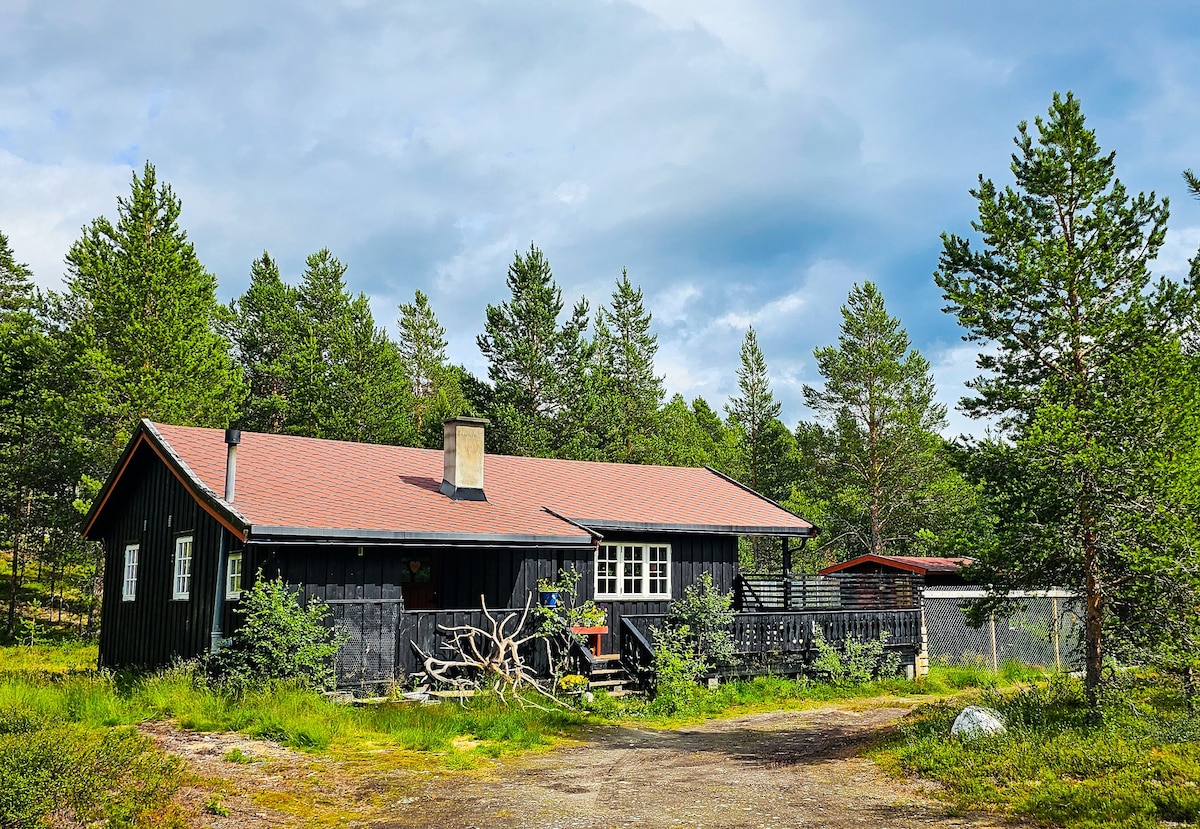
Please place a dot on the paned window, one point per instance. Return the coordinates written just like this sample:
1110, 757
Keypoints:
633, 571
233, 577
183, 568
129, 581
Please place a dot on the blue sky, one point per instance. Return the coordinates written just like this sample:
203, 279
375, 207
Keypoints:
747, 162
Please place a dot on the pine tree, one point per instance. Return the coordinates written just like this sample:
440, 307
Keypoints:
883, 454
625, 351
144, 314
1080, 370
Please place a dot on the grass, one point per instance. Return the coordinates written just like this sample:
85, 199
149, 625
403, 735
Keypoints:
1138, 767
52, 687
71, 656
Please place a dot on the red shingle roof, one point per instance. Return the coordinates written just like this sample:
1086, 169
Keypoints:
324, 487
923, 565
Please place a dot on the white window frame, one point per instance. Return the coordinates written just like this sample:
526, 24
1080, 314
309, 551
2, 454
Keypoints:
233, 574
181, 585
129, 576
633, 570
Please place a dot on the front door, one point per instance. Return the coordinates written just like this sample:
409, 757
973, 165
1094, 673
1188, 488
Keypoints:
421, 581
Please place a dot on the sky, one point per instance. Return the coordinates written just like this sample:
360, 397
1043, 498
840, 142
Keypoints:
747, 162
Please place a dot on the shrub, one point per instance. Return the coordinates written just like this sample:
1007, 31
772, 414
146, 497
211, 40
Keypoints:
856, 662
706, 613
676, 668
279, 640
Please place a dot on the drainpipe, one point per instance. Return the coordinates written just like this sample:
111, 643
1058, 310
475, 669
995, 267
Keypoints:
232, 438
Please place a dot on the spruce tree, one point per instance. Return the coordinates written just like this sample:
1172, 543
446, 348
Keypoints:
144, 316
265, 333
539, 370
432, 382
346, 378
625, 351
753, 411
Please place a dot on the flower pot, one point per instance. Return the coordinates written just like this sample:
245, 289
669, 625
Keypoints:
548, 598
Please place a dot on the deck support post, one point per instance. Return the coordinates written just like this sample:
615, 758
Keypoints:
787, 573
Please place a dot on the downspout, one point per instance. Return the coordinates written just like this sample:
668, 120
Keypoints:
232, 438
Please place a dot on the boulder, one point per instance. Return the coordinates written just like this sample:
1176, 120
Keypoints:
976, 721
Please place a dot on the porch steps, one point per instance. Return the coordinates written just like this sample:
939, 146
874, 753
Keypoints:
613, 679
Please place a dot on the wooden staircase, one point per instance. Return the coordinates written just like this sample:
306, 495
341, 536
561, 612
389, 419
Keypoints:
606, 673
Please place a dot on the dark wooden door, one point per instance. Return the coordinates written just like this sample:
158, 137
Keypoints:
421, 581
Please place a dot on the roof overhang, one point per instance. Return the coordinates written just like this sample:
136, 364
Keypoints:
271, 534
704, 529
145, 434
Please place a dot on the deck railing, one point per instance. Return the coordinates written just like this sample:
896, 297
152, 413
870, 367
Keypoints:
852, 591
788, 635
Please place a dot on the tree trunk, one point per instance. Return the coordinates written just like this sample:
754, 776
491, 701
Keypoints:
1093, 621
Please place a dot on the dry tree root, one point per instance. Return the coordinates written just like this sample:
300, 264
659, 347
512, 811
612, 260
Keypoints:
488, 659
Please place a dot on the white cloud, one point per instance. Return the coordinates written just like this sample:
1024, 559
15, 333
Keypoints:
43, 207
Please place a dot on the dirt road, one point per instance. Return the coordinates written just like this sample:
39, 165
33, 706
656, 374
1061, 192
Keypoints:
780, 769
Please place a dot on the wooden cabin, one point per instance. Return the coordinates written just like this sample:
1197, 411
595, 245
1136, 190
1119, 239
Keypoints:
397, 540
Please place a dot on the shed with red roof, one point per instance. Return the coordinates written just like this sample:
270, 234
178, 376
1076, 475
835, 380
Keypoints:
383, 533
936, 571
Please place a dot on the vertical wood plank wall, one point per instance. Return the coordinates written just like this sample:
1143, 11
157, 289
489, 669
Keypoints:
155, 508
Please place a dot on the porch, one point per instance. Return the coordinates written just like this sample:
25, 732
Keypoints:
776, 626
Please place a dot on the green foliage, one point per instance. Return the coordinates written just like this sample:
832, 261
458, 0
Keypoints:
1055, 765
143, 319
624, 356
314, 360
855, 661
1095, 392
433, 384
694, 638
279, 639
677, 666
115, 777
706, 613
875, 469
543, 397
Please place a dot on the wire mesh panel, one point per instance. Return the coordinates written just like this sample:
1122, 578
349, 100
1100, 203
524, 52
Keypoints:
1043, 629
368, 656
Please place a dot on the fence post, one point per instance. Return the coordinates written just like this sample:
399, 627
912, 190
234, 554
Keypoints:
992, 626
1054, 631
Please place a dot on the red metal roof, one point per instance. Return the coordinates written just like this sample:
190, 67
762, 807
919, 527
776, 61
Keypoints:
323, 485
914, 564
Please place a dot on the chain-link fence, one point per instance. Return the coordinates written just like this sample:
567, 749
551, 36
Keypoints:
1043, 630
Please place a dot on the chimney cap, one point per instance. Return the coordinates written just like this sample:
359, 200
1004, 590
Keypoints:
233, 436
468, 421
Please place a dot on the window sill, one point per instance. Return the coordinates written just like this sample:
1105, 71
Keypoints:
632, 597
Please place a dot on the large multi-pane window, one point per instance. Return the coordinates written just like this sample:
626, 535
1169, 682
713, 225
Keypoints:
183, 568
129, 581
635, 571
233, 577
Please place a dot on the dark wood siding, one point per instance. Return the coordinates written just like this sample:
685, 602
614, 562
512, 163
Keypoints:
152, 508
691, 555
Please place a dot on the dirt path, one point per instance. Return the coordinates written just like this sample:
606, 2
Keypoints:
780, 769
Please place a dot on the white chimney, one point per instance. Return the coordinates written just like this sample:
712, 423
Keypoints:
462, 476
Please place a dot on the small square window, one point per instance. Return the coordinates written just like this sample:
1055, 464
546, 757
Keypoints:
233, 577
129, 581
183, 568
